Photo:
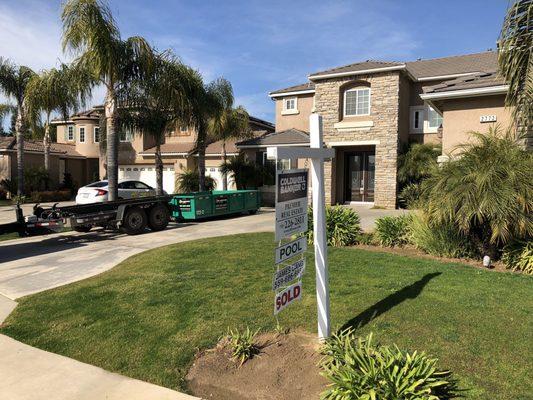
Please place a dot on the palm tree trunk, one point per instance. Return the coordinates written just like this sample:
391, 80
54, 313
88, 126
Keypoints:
158, 167
46, 145
112, 148
224, 159
201, 168
20, 151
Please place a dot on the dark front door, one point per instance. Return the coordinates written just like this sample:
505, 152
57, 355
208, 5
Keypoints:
359, 176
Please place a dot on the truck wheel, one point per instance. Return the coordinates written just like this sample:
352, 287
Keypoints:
158, 217
134, 221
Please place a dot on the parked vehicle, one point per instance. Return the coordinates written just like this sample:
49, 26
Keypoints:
97, 192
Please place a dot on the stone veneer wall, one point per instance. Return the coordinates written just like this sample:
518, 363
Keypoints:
384, 108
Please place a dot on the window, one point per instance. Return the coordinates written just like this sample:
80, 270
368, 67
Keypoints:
70, 133
434, 119
96, 134
183, 131
126, 135
356, 102
417, 119
289, 104
141, 185
82, 134
284, 164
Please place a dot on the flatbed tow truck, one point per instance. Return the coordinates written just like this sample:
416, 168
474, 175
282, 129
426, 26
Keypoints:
132, 216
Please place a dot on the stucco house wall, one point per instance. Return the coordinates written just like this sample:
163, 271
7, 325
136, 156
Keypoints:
462, 116
300, 120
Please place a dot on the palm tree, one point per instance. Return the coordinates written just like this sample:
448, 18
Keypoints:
14, 81
159, 103
56, 90
208, 101
487, 192
515, 59
90, 33
230, 123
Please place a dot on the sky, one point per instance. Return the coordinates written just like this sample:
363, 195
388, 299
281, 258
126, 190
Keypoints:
264, 45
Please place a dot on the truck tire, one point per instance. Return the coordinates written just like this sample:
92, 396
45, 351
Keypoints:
158, 217
82, 228
134, 221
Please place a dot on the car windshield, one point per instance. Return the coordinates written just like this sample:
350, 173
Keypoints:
98, 184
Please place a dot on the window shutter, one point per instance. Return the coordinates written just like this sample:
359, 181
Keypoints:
65, 133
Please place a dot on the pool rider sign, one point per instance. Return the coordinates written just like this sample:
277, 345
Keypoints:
291, 220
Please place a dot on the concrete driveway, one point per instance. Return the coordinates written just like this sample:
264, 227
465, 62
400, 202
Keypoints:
7, 213
31, 265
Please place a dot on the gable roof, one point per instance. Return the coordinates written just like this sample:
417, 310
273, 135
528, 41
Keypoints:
463, 64
308, 87
36, 146
475, 81
358, 68
287, 137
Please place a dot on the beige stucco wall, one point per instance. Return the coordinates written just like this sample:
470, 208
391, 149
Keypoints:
297, 121
384, 107
462, 116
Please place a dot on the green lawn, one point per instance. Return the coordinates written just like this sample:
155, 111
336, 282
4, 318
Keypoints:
9, 236
147, 317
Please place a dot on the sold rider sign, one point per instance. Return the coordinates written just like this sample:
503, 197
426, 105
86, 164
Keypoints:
287, 296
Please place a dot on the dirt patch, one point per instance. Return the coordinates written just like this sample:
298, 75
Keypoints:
411, 251
286, 368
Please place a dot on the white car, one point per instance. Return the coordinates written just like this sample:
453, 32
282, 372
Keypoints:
97, 192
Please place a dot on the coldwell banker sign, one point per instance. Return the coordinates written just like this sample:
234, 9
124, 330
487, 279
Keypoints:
291, 203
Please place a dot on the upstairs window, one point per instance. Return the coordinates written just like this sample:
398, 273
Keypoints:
434, 119
289, 104
70, 133
96, 134
82, 134
357, 102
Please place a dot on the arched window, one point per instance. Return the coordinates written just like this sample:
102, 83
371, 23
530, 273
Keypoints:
356, 101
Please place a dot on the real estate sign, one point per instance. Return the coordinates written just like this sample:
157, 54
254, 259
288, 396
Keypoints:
291, 203
291, 249
287, 297
286, 275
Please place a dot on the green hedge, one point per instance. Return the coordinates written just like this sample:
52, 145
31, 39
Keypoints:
342, 226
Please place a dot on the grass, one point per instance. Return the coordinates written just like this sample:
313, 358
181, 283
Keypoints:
9, 236
147, 317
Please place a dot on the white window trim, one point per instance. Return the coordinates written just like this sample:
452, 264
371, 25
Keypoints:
69, 139
95, 135
427, 128
422, 121
355, 89
84, 134
290, 111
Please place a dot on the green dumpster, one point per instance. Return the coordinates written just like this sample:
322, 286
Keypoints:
199, 205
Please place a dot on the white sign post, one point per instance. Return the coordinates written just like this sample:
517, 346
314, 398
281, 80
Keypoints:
317, 154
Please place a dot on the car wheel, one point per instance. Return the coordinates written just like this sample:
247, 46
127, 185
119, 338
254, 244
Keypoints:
158, 217
134, 221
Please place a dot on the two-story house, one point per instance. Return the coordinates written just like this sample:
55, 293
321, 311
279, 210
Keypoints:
372, 110
136, 154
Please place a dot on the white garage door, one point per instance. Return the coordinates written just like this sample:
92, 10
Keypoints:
146, 174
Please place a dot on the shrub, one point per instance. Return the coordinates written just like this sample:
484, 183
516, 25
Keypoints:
518, 256
242, 345
418, 163
367, 238
358, 369
487, 192
342, 226
443, 240
51, 195
188, 182
10, 186
411, 196
247, 175
393, 231
36, 179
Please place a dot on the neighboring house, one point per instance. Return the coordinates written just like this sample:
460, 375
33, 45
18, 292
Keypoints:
137, 151
372, 110
63, 158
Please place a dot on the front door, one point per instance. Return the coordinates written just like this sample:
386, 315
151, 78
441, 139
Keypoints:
359, 176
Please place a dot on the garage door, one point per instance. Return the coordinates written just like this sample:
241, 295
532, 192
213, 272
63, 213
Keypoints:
146, 174
214, 172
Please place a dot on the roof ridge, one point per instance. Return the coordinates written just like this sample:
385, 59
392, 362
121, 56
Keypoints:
454, 56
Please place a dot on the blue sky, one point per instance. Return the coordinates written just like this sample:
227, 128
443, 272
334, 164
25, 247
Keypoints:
266, 45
